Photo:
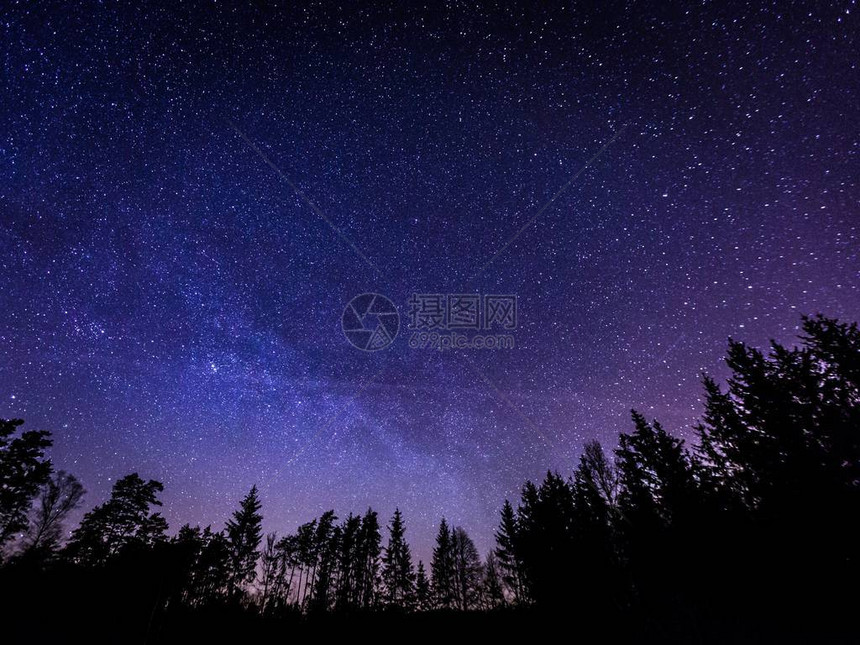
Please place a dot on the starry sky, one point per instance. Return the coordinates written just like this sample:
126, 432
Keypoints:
190, 195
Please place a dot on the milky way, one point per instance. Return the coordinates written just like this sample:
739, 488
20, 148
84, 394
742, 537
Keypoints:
190, 197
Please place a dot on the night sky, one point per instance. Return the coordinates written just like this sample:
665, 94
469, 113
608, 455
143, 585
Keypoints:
191, 196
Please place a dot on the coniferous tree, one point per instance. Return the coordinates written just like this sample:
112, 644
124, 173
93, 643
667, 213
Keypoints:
656, 475
398, 574
288, 562
319, 557
186, 545
423, 592
121, 522
780, 462
598, 473
306, 557
595, 517
525, 539
508, 554
657, 498
492, 585
784, 429
211, 571
270, 569
348, 563
442, 568
369, 555
202, 559
244, 532
327, 550
545, 538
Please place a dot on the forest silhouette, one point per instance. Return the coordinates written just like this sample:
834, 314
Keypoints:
749, 534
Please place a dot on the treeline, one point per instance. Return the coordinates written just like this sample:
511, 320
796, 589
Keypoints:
754, 524
326, 565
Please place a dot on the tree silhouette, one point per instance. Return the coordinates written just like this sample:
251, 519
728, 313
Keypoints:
326, 541
598, 473
122, 521
58, 497
656, 475
657, 498
369, 555
244, 533
212, 569
466, 570
271, 564
508, 553
349, 564
545, 538
324, 566
596, 519
327, 546
306, 557
442, 568
780, 462
398, 574
423, 592
492, 585
283, 583
23, 471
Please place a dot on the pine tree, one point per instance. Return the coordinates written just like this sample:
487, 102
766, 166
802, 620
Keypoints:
780, 463
656, 474
545, 538
288, 562
317, 579
509, 562
398, 574
211, 571
659, 500
594, 540
244, 533
270, 569
306, 558
121, 522
442, 568
369, 554
423, 597
492, 585
328, 543
348, 563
